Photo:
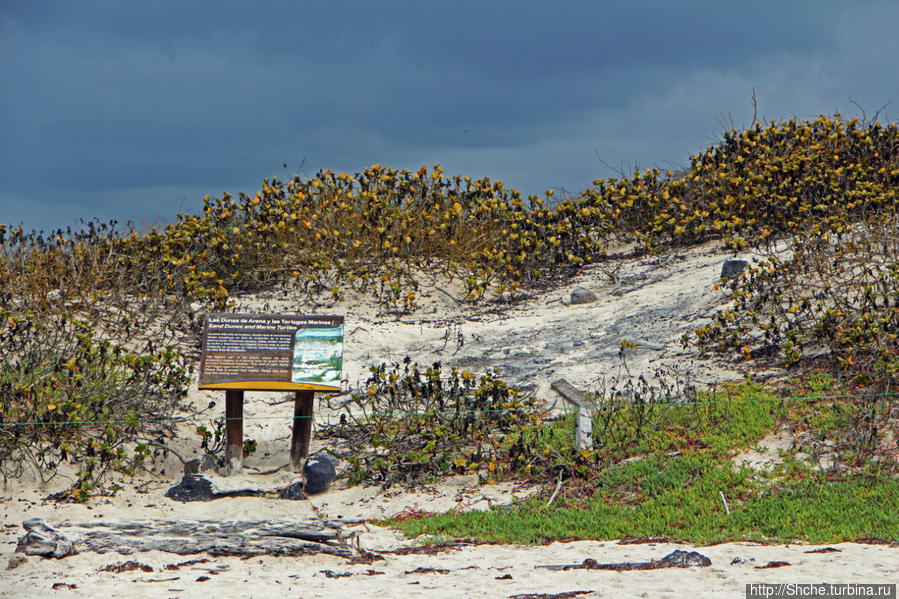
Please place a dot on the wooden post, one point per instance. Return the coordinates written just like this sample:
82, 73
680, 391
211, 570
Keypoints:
233, 430
302, 429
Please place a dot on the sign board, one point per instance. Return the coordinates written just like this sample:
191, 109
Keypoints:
272, 352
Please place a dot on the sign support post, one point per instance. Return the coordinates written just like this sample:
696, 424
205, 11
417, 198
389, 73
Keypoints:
302, 429
233, 429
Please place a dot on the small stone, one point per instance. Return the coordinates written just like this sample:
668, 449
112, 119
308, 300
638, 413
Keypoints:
319, 471
732, 268
582, 295
204, 463
16, 560
294, 491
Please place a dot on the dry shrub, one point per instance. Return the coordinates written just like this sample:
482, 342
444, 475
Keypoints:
374, 230
833, 297
835, 292
412, 423
783, 178
371, 231
89, 372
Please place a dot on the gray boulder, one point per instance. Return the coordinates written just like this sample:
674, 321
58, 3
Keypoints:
582, 295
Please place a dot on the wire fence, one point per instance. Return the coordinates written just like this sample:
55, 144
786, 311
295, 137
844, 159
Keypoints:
551, 409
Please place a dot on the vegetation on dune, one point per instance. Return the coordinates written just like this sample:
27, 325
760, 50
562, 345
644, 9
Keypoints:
89, 372
96, 323
784, 178
832, 295
375, 230
661, 471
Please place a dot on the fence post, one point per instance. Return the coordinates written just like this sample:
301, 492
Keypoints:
583, 435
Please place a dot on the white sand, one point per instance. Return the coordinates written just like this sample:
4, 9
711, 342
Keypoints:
472, 570
533, 343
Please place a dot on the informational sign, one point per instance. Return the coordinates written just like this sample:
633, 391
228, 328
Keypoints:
278, 352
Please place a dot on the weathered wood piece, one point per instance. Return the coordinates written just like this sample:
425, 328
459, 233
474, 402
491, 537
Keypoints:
233, 430
571, 394
302, 429
184, 537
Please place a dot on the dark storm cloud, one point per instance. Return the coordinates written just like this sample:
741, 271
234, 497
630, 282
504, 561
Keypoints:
136, 110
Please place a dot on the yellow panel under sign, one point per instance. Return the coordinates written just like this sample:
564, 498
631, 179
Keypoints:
268, 386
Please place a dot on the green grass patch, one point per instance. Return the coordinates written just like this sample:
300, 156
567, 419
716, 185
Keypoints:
684, 504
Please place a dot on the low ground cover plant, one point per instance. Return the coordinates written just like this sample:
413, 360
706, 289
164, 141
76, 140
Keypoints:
815, 510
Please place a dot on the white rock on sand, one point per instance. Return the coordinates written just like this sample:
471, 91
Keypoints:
652, 300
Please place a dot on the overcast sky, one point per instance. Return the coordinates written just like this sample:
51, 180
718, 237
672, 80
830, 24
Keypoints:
135, 110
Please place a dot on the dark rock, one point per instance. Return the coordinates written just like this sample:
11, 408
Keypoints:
774, 564
193, 487
685, 559
319, 471
204, 463
294, 491
732, 268
581, 295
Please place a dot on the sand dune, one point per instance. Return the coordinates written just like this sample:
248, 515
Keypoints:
653, 300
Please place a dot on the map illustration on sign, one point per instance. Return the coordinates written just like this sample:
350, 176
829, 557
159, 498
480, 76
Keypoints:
317, 355
272, 352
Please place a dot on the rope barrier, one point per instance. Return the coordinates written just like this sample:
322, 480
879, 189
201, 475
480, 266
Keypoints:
398, 414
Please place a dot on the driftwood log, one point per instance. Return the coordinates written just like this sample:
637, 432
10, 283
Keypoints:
215, 537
